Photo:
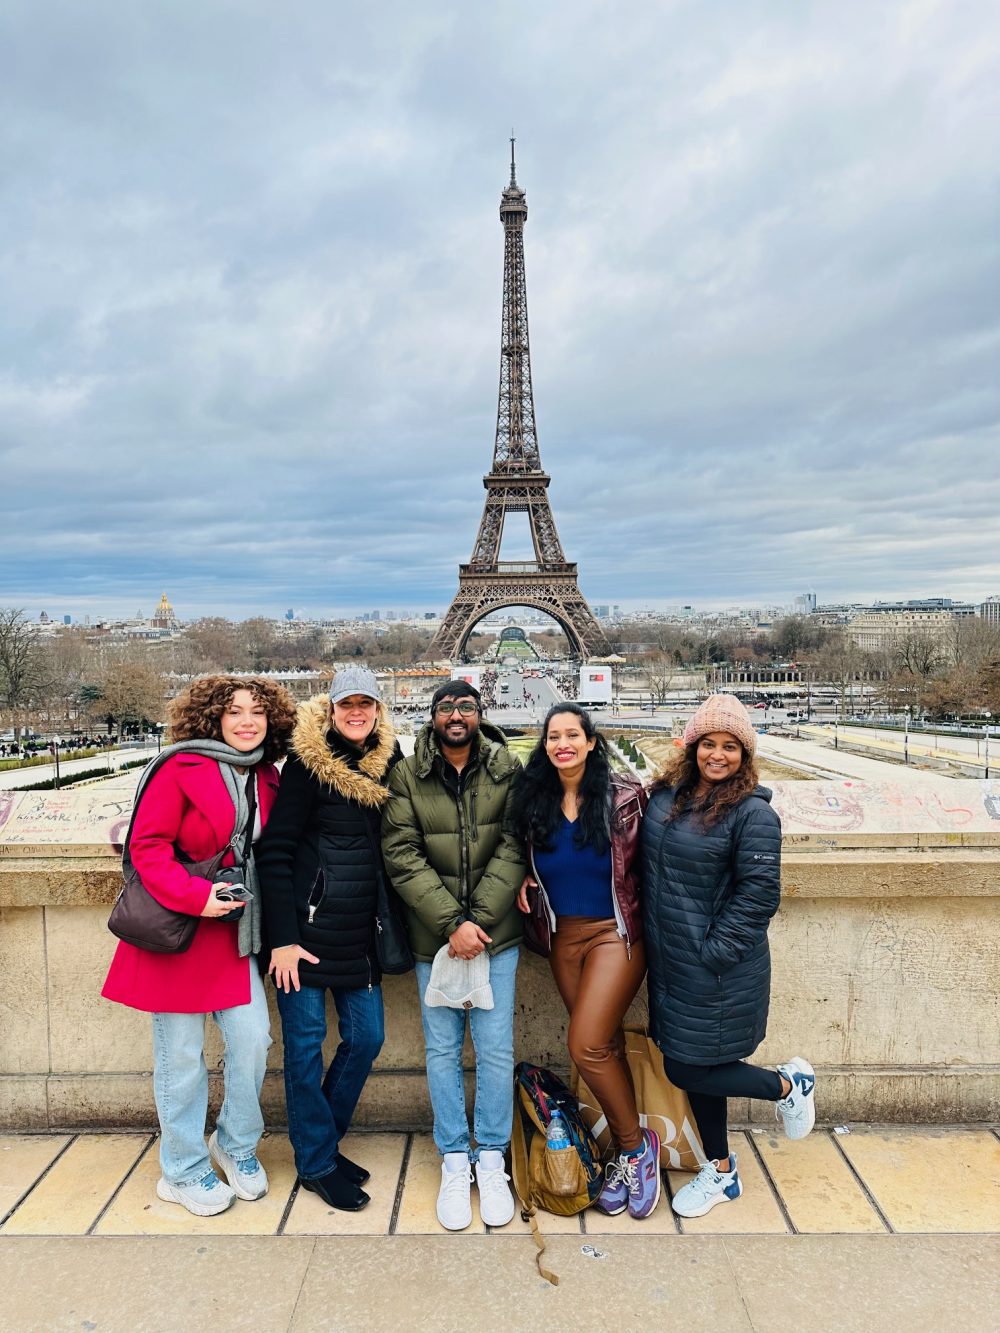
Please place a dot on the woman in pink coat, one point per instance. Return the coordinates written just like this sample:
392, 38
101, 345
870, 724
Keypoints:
219, 776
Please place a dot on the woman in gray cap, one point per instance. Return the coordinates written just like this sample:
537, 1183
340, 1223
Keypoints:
320, 867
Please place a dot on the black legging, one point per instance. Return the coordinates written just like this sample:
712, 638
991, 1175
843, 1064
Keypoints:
708, 1086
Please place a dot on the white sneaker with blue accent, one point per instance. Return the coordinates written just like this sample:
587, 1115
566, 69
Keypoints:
247, 1177
798, 1109
204, 1197
709, 1187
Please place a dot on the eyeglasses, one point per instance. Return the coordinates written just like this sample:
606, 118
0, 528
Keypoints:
445, 709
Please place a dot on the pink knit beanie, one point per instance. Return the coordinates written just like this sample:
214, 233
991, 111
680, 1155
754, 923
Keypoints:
722, 712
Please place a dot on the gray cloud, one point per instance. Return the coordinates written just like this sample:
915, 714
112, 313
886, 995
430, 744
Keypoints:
252, 265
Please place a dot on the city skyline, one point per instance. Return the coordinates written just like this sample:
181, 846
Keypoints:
253, 292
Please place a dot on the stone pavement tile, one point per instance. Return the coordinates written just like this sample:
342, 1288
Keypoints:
816, 1185
549, 1224
144, 1285
755, 1213
382, 1155
856, 1284
929, 1179
453, 1285
23, 1158
71, 1196
420, 1191
138, 1212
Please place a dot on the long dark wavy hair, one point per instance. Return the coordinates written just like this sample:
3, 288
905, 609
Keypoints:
681, 773
538, 792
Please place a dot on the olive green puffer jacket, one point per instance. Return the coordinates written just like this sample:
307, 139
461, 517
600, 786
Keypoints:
453, 859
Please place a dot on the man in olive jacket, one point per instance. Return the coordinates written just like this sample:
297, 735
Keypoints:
457, 865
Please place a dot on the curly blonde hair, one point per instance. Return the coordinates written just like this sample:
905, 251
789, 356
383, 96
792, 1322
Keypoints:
196, 713
681, 772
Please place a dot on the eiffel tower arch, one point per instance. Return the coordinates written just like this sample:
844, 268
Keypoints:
517, 484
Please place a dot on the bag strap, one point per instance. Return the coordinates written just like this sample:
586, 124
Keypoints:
251, 816
522, 1184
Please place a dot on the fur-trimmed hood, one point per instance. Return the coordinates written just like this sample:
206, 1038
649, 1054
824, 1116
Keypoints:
363, 784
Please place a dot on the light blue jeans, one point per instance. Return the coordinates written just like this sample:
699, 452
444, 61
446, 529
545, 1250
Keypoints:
180, 1083
493, 1039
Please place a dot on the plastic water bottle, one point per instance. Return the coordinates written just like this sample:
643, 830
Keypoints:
557, 1135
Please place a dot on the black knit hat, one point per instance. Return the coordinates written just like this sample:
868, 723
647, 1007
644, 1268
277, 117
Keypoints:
456, 689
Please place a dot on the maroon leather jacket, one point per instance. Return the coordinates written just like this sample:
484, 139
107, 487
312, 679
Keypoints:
628, 804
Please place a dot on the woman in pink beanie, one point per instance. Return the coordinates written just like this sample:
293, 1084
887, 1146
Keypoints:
711, 870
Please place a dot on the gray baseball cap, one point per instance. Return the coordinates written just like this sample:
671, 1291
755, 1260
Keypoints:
353, 680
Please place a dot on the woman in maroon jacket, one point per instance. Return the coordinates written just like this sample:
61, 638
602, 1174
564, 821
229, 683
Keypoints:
581, 822
226, 733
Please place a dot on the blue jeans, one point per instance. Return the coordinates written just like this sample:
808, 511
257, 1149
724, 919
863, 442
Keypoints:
320, 1108
493, 1039
180, 1083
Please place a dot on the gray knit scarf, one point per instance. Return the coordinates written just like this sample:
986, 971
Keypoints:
228, 760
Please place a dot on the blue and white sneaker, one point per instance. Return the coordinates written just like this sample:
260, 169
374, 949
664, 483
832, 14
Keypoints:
204, 1197
798, 1109
246, 1175
709, 1187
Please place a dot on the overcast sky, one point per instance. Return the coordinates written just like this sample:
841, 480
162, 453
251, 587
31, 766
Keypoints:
251, 270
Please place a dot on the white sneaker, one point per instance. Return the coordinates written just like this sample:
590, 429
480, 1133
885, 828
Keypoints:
709, 1187
496, 1203
454, 1203
798, 1109
204, 1197
247, 1177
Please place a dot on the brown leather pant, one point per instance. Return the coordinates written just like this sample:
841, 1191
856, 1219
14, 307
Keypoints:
598, 981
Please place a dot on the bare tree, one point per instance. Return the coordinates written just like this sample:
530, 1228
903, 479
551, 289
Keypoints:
22, 665
131, 692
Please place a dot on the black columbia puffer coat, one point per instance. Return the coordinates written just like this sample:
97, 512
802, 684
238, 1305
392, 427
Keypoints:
320, 856
708, 895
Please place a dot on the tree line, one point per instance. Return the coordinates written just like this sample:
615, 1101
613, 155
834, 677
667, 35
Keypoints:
76, 677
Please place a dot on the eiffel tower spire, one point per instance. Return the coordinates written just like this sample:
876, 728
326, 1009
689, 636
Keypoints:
517, 484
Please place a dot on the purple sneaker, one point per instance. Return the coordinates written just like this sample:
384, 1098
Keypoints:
642, 1176
613, 1198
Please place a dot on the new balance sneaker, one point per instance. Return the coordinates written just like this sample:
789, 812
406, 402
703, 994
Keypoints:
496, 1203
246, 1175
798, 1109
204, 1197
613, 1198
454, 1201
642, 1176
709, 1187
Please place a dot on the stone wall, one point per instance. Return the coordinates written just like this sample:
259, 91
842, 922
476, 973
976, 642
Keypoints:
885, 950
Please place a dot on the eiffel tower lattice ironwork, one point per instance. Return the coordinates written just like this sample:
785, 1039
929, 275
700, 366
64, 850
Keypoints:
517, 484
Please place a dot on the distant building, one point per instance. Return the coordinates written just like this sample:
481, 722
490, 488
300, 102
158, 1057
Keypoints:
804, 604
990, 610
164, 616
884, 627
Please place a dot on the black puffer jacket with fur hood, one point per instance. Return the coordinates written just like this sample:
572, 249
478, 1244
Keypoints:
320, 858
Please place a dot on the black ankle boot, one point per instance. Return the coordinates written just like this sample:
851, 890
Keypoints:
356, 1174
337, 1191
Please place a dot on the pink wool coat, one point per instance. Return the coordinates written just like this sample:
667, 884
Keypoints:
186, 803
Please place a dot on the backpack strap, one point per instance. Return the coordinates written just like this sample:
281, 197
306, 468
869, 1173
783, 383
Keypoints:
522, 1183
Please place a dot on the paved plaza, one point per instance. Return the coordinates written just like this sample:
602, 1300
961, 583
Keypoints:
891, 1227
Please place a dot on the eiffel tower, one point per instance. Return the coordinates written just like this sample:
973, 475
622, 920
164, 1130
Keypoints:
517, 484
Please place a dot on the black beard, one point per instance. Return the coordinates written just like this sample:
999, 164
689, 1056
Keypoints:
456, 743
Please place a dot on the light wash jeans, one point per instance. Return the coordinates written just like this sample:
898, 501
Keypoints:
180, 1084
493, 1039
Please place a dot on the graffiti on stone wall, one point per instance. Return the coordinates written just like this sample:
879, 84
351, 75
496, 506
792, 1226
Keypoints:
39, 822
849, 805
